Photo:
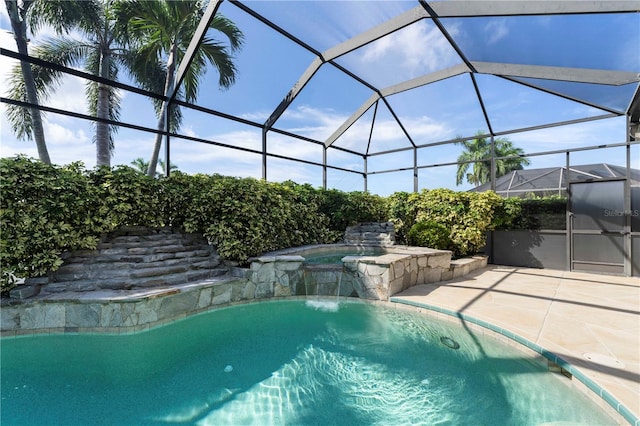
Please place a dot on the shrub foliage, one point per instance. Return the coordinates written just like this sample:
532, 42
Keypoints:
430, 234
442, 218
46, 210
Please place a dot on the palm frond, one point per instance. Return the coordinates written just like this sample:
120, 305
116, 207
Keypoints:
63, 51
229, 29
19, 118
219, 56
62, 15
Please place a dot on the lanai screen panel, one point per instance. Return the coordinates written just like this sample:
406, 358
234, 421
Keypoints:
370, 77
325, 24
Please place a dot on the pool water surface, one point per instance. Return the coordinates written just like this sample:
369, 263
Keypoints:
285, 362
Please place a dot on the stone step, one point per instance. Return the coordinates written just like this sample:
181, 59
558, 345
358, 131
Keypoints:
150, 249
160, 280
136, 256
163, 270
139, 258
206, 264
90, 275
86, 285
129, 267
141, 244
128, 283
178, 278
129, 239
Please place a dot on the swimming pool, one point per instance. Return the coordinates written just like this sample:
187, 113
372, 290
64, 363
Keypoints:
285, 362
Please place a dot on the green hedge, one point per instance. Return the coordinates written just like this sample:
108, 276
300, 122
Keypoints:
422, 218
430, 234
245, 217
47, 210
532, 214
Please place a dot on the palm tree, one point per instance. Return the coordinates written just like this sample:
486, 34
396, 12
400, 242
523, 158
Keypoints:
101, 52
477, 154
164, 30
27, 123
142, 166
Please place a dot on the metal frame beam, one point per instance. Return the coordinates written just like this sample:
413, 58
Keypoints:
354, 117
577, 75
533, 154
194, 44
294, 92
394, 24
473, 8
392, 90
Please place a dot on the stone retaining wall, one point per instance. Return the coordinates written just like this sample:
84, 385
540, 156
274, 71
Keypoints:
376, 277
131, 257
140, 277
371, 234
120, 311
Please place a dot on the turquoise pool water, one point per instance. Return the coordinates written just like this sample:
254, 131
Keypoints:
285, 362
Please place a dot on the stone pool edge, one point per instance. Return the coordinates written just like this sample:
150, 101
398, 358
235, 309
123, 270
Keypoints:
588, 386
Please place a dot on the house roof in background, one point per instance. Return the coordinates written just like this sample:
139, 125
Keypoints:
554, 179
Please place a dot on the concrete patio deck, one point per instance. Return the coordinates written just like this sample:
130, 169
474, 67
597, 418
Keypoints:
590, 321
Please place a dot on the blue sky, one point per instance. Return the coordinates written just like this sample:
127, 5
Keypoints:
269, 65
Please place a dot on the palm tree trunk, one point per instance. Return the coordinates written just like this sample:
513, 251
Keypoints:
20, 34
103, 141
168, 88
153, 162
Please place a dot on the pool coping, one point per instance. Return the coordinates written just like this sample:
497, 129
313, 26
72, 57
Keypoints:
595, 390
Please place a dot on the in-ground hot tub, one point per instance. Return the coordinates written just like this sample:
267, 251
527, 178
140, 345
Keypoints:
368, 272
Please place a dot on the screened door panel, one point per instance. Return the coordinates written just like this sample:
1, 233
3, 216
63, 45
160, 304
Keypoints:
598, 227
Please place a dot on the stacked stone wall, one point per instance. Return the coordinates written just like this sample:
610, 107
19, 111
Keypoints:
139, 307
371, 234
131, 257
120, 310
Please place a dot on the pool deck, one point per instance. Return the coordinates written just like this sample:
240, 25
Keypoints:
591, 321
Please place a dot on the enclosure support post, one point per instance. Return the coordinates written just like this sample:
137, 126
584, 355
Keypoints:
365, 175
324, 167
493, 164
627, 240
415, 169
264, 153
569, 216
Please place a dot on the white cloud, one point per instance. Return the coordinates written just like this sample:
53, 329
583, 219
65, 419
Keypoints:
59, 135
496, 29
312, 122
24, 148
6, 63
64, 144
390, 134
412, 51
70, 96
593, 133
256, 116
251, 139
